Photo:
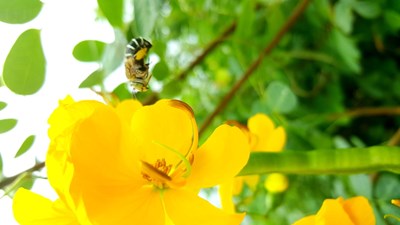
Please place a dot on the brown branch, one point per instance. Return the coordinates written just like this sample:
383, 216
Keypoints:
285, 28
9, 180
210, 47
367, 111
395, 139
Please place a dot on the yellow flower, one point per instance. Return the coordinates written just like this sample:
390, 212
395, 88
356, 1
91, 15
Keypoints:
353, 211
262, 136
32, 209
141, 165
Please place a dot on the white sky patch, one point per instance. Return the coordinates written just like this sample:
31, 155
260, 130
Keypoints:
63, 24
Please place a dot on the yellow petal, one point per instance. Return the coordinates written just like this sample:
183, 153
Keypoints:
396, 202
308, 220
123, 206
276, 183
226, 194
267, 138
126, 109
96, 148
185, 208
66, 115
164, 130
220, 158
33, 209
359, 211
332, 213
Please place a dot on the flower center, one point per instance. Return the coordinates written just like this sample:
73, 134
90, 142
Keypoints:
163, 175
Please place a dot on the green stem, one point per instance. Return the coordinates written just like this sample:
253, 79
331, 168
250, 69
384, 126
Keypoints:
332, 161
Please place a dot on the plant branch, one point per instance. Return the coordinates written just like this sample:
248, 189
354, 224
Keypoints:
284, 29
210, 47
9, 180
367, 111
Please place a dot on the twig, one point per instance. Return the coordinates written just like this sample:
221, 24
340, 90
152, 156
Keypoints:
367, 111
210, 47
289, 23
9, 180
395, 139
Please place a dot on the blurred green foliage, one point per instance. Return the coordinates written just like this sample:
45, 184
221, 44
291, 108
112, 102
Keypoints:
340, 57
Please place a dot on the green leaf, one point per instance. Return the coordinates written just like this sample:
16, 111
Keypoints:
89, 51
344, 16
25, 65
93, 79
392, 20
19, 11
146, 14
367, 9
2, 105
280, 98
347, 50
112, 10
161, 70
122, 92
1, 166
325, 161
26, 145
7, 124
114, 53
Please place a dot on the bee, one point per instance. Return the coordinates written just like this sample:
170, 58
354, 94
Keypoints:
136, 70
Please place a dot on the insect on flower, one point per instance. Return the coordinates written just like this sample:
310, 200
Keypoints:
137, 71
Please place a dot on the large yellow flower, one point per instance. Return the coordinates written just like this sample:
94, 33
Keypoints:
353, 211
141, 165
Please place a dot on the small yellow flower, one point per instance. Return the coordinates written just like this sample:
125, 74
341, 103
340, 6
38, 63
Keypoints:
353, 211
141, 165
262, 136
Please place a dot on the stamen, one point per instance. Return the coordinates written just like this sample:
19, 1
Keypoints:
188, 164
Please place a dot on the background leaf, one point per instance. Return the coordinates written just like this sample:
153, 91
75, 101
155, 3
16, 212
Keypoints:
280, 98
89, 51
19, 11
7, 124
112, 10
2, 105
24, 68
146, 14
93, 79
26, 145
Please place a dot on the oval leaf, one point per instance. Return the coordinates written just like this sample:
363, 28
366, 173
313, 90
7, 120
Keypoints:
93, 79
89, 51
19, 11
146, 14
280, 98
2, 105
24, 68
7, 124
26, 145
161, 70
112, 10
122, 92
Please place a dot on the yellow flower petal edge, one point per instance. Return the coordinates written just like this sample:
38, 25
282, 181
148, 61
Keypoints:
33, 209
396, 202
220, 158
353, 211
359, 210
186, 208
